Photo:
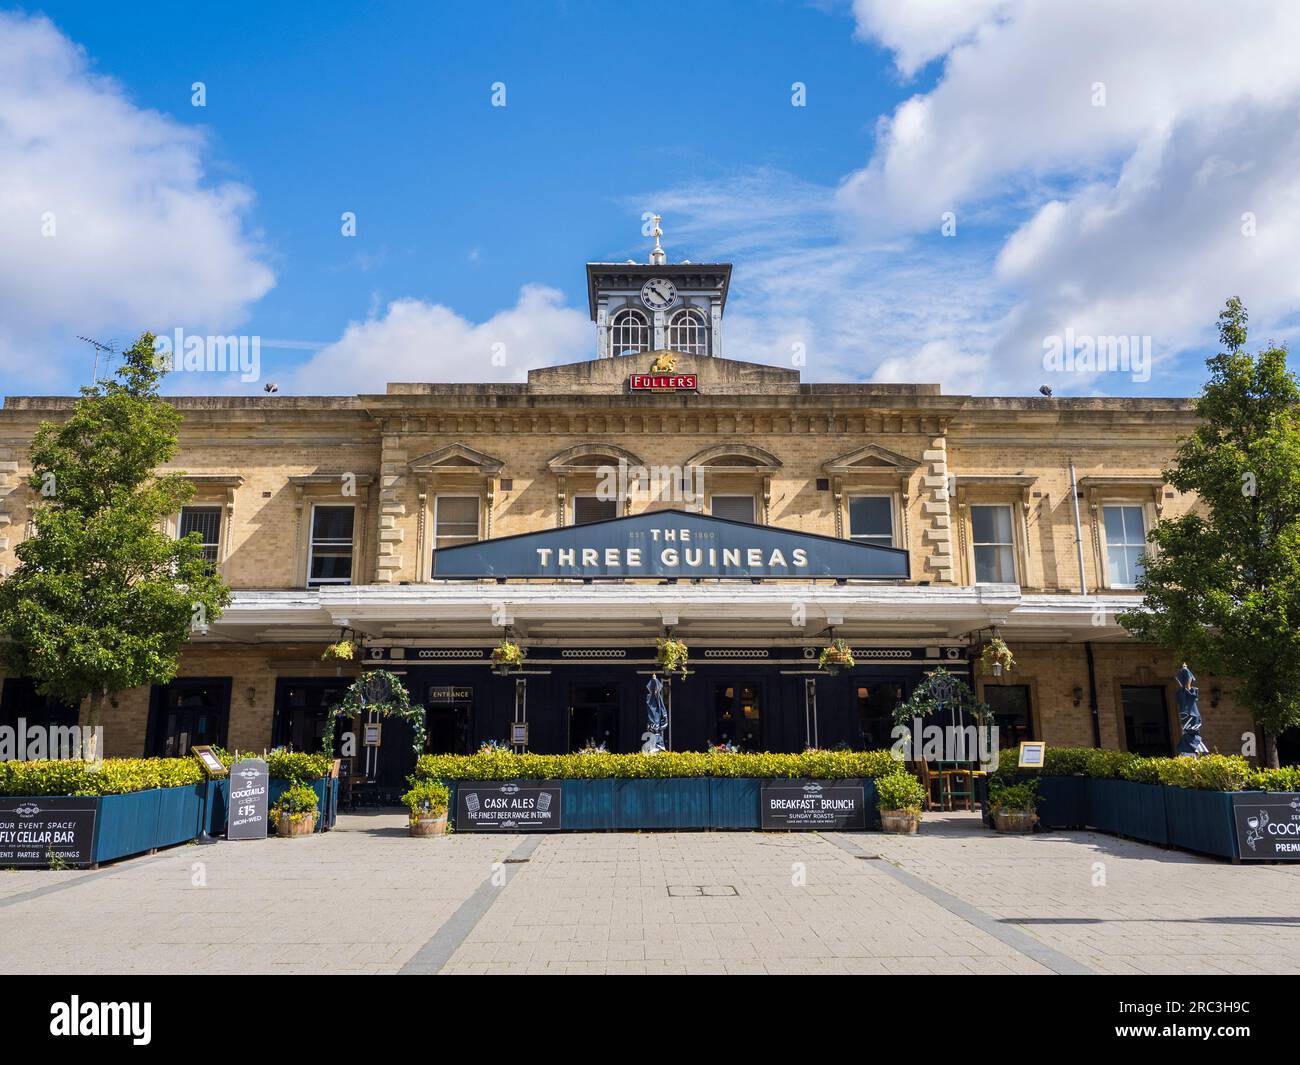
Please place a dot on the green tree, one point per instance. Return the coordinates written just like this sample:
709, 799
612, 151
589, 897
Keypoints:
1222, 589
102, 599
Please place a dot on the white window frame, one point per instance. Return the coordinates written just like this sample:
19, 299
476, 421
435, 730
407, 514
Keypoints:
221, 522
573, 506
1012, 545
699, 328
1105, 539
311, 546
646, 328
478, 500
893, 517
735, 495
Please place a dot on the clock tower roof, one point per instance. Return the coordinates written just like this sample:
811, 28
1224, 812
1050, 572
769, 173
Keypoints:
630, 276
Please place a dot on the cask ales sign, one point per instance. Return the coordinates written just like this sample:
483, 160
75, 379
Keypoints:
508, 806
670, 543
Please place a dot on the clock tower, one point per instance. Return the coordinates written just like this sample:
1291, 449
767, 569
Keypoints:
657, 306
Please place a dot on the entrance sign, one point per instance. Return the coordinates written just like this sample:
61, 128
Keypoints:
508, 806
670, 543
1032, 754
447, 693
1268, 825
34, 831
808, 805
250, 794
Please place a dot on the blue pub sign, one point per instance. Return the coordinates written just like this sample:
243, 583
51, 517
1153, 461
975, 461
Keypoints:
671, 544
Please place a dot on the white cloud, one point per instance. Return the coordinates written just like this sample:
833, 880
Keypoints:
411, 340
141, 238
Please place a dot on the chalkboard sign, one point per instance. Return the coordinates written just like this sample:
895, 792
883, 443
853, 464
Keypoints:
508, 806
250, 792
808, 805
1268, 825
32, 831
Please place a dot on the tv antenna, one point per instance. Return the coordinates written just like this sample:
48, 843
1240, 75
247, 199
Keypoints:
109, 349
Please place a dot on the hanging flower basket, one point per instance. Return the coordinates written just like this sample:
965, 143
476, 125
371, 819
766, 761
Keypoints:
996, 657
838, 655
671, 655
342, 651
507, 656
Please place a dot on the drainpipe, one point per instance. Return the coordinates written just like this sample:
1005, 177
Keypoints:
1092, 695
1078, 528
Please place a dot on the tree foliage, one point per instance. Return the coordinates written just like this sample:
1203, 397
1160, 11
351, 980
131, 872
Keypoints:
103, 599
1222, 588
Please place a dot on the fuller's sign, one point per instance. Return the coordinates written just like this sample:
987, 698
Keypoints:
664, 382
670, 543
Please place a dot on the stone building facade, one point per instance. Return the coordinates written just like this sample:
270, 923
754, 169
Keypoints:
329, 515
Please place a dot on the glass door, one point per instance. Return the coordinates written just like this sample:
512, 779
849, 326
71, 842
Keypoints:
447, 723
738, 718
593, 716
189, 713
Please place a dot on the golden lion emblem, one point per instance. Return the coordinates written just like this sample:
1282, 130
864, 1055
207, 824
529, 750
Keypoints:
666, 363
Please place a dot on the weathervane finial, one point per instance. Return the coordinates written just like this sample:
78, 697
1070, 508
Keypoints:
657, 256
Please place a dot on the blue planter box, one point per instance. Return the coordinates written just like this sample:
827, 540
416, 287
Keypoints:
869, 798
145, 820
669, 802
1127, 809
587, 805
1201, 821
1063, 802
734, 802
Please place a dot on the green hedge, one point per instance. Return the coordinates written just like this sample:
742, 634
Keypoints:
117, 776
1212, 772
505, 765
114, 776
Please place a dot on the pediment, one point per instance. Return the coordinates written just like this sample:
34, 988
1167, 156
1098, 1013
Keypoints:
457, 458
871, 459
585, 457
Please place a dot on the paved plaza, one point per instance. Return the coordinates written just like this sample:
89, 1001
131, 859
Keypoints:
365, 898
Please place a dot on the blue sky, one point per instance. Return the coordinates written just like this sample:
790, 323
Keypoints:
474, 221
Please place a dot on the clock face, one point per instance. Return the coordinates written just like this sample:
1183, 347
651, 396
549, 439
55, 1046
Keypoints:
658, 293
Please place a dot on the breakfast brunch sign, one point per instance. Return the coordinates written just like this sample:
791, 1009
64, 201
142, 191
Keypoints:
670, 543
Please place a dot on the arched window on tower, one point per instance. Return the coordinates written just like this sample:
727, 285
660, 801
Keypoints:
628, 333
689, 332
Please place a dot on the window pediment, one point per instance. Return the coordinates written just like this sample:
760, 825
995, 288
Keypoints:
735, 458
585, 458
871, 461
457, 458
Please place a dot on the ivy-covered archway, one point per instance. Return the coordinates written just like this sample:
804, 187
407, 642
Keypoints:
380, 692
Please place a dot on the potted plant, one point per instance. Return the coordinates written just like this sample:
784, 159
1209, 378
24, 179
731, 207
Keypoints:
340, 651
996, 656
1013, 806
899, 798
671, 655
836, 656
507, 656
294, 812
427, 801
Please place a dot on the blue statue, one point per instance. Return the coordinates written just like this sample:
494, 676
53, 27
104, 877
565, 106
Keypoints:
1189, 715
656, 716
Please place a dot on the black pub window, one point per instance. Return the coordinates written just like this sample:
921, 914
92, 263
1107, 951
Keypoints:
300, 709
876, 705
19, 700
188, 713
1146, 720
1011, 713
